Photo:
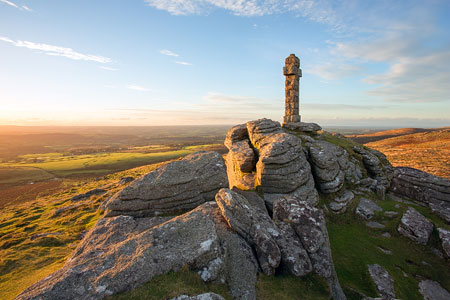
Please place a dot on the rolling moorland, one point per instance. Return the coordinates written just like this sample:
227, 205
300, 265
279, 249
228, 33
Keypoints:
42, 220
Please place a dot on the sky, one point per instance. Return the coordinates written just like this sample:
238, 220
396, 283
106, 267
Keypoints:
198, 62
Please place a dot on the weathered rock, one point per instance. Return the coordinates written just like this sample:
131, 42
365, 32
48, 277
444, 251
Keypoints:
376, 165
367, 208
176, 187
383, 281
326, 170
339, 205
283, 169
309, 224
259, 129
391, 214
88, 194
255, 227
235, 134
444, 235
205, 296
125, 180
302, 126
258, 229
375, 225
240, 267
420, 186
441, 208
432, 290
294, 257
415, 226
253, 199
242, 156
121, 253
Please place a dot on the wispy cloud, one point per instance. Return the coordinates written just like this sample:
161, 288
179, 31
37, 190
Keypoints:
107, 68
183, 63
10, 3
332, 71
318, 11
56, 50
139, 88
168, 53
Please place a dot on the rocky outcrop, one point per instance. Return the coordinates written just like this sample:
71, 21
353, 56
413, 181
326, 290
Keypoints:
172, 188
327, 172
383, 281
444, 235
123, 252
236, 134
302, 126
367, 208
423, 187
253, 225
420, 186
242, 156
282, 169
377, 165
415, 226
259, 129
432, 290
309, 225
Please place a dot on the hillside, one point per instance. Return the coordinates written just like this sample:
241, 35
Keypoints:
385, 134
314, 219
428, 151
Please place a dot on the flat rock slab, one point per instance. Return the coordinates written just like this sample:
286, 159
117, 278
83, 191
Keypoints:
120, 253
302, 126
367, 208
415, 226
173, 188
432, 290
383, 281
206, 296
390, 214
375, 225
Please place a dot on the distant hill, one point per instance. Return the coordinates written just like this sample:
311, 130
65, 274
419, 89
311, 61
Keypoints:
381, 135
424, 149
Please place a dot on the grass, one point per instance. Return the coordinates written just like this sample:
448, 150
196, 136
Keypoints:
19, 174
281, 287
24, 261
173, 284
97, 164
355, 246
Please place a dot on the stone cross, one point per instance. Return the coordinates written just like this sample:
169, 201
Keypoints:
293, 73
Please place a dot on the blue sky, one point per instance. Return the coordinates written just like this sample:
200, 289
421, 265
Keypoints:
155, 62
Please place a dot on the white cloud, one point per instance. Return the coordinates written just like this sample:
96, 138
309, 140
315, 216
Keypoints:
56, 50
332, 71
26, 8
183, 63
9, 3
108, 68
138, 88
319, 10
168, 53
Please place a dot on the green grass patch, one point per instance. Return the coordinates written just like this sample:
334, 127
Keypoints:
173, 284
18, 174
289, 287
355, 246
100, 163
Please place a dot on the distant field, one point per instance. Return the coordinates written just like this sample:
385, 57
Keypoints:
15, 174
428, 151
100, 163
385, 134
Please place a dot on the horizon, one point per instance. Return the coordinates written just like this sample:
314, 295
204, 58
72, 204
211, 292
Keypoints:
199, 63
